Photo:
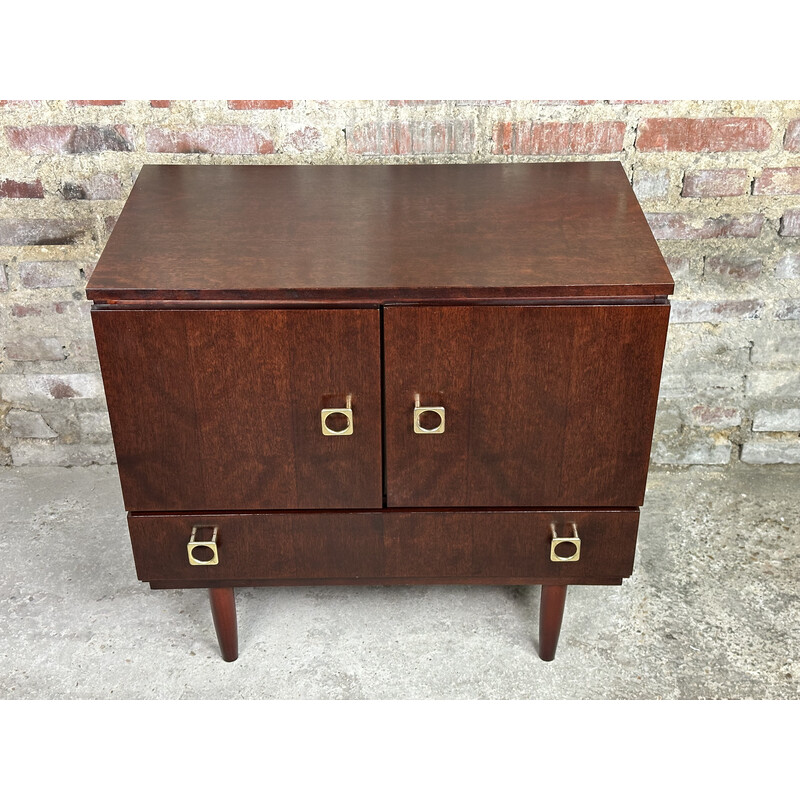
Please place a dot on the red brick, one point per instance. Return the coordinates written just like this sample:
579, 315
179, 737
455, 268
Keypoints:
304, 140
258, 105
222, 139
70, 139
778, 181
738, 267
792, 139
715, 183
790, 222
681, 226
99, 187
9, 188
47, 274
716, 417
26, 311
712, 135
96, 102
714, 312
160, 103
412, 138
30, 232
557, 138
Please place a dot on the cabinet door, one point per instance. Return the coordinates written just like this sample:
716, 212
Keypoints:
544, 405
221, 409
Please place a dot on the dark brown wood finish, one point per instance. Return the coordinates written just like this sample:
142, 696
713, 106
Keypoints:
416, 545
380, 233
544, 406
223, 612
551, 612
221, 409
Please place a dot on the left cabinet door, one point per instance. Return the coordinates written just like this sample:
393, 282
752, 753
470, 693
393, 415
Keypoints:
221, 409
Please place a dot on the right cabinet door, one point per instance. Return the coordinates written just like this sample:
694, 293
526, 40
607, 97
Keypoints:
543, 405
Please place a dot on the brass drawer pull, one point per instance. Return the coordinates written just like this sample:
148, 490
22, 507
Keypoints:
420, 410
346, 412
195, 550
557, 540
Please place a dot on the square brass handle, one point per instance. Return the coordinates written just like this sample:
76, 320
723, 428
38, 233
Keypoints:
557, 540
196, 548
420, 410
346, 412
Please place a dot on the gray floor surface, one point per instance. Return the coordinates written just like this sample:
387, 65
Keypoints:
711, 610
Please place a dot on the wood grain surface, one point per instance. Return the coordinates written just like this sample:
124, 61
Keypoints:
380, 232
221, 409
417, 546
545, 406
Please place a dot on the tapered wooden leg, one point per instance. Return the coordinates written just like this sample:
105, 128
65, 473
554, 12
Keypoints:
223, 610
551, 612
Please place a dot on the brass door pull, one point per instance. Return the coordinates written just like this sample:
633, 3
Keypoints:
557, 540
420, 410
346, 412
203, 549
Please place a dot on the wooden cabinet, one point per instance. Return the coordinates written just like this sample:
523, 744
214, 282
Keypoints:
382, 374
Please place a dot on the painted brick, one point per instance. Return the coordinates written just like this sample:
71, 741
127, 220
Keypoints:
97, 187
30, 232
3, 278
414, 102
411, 138
738, 267
29, 425
70, 139
778, 181
679, 266
715, 183
28, 452
670, 225
788, 266
685, 451
716, 416
14, 190
787, 419
257, 105
774, 384
788, 309
783, 450
160, 103
109, 223
792, 139
790, 222
650, 185
221, 139
96, 102
776, 349
711, 135
557, 138
305, 140
95, 424
685, 311
21, 388
47, 274
35, 348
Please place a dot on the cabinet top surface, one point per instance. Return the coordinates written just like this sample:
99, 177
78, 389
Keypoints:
380, 233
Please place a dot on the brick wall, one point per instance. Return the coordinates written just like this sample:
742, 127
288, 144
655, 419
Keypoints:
720, 183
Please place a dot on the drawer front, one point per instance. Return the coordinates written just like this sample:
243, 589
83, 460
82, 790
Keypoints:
418, 545
545, 406
222, 409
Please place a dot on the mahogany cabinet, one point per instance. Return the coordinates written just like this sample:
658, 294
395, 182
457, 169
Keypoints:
382, 375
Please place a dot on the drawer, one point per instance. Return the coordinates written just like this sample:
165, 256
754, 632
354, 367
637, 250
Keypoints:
421, 546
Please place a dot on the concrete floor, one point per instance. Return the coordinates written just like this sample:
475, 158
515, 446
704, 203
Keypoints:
711, 611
